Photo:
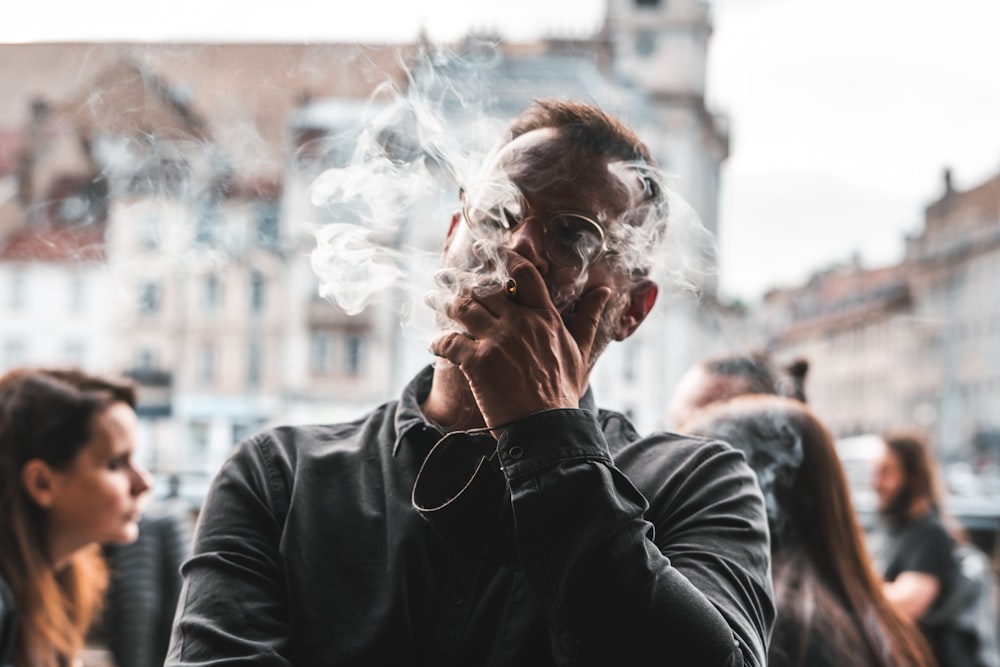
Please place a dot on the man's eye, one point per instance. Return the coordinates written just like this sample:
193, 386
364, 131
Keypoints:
574, 232
511, 217
118, 463
498, 217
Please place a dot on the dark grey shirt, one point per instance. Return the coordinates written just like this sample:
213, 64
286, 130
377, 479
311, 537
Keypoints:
598, 547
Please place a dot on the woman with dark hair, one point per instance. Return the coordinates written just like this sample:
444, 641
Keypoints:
67, 484
831, 608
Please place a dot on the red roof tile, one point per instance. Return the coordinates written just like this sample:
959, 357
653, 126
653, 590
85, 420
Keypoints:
55, 244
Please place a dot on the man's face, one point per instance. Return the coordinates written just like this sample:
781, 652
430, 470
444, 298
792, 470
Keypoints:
554, 177
889, 483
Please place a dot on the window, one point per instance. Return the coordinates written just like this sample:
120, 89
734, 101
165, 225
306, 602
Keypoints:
206, 372
320, 353
242, 430
353, 350
645, 44
150, 296
253, 364
18, 290
267, 223
200, 432
257, 284
149, 231
145, 359
211, 293
77, 290
204, 231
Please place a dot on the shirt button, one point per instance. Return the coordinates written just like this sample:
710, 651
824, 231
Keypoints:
515, 452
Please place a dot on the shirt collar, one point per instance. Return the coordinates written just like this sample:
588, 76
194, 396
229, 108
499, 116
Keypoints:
408, 414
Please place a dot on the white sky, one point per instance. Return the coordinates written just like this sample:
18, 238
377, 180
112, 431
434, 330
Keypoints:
843, 112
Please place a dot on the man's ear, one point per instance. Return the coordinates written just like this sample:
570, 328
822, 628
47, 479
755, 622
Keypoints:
456, 218
37, 480
641, 298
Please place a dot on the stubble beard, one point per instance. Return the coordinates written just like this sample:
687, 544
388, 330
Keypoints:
897, 510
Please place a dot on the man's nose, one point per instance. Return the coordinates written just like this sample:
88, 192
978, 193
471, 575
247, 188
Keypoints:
528, 240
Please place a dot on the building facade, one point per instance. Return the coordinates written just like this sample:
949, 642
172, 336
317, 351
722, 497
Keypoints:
911, 345
196, 183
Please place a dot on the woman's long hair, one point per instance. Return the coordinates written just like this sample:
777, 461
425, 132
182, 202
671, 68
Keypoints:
823, 577
48, 414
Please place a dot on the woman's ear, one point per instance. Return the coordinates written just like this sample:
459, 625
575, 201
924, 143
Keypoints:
37, 480
641, 299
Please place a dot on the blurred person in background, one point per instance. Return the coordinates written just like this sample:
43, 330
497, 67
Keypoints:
925, 559
67, 484
721, 377
832, 611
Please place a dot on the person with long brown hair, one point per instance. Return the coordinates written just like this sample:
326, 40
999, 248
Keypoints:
831, 608
917, 551
67, 484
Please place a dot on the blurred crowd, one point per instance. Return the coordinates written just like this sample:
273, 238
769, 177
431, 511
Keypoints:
913, 587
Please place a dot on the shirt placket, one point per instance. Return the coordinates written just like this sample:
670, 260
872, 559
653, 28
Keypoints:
454, 609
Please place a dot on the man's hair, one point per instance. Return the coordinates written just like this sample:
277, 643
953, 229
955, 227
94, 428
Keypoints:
919, 467
587, 126
598, 134
760, 373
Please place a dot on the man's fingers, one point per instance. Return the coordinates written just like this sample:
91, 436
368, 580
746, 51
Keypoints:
531, 288
455, 347
587, 317
472, 313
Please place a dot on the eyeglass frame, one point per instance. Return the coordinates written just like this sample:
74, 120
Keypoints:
546, 225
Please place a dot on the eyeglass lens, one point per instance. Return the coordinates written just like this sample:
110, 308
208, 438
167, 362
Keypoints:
571, 240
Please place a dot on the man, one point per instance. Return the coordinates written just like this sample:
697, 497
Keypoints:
539, 530
914, 550
723, 377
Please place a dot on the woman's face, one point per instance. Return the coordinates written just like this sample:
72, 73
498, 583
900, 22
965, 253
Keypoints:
97, 497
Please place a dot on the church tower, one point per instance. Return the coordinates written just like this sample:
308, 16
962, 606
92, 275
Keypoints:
661, 46
660, 49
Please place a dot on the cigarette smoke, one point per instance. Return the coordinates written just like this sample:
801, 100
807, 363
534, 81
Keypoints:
772, 443
390, 203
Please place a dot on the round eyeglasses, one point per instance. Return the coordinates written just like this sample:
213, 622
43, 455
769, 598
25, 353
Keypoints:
571, 240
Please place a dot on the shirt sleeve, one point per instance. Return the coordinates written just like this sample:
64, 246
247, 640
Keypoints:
618, 581
232, 608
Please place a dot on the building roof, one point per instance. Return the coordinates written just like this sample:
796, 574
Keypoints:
842, 296
55, 244
982, 201
245, 92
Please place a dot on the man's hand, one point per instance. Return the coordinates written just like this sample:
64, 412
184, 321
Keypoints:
519, 357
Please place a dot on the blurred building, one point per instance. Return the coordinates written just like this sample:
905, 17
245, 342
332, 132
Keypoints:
156, 212
917, 344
